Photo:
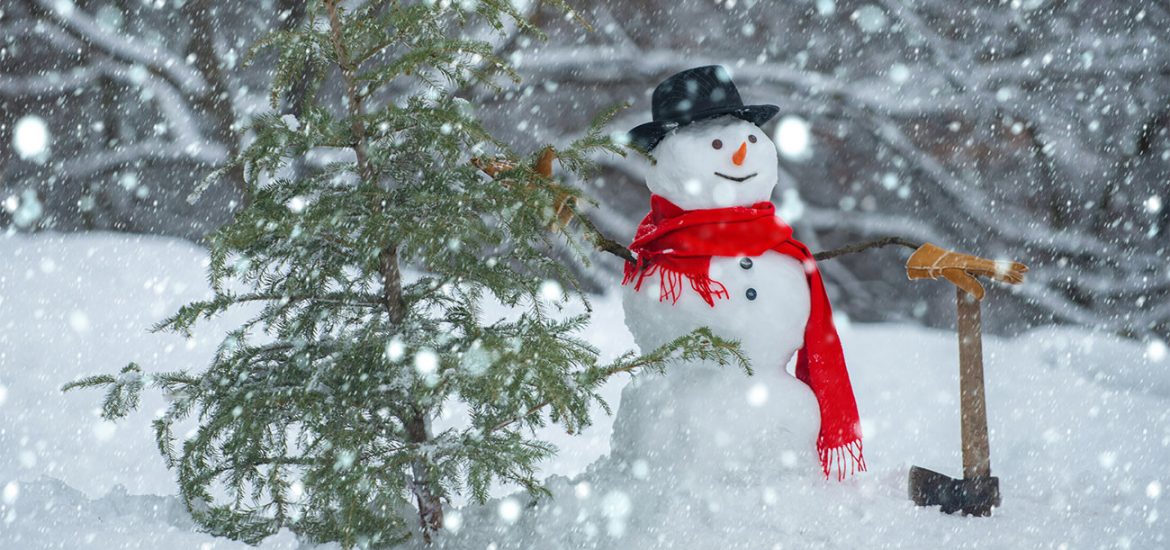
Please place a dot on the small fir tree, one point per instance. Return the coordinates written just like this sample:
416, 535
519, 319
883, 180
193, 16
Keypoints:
315, 414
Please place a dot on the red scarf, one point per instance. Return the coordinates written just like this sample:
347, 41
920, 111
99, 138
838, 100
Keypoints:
677, 243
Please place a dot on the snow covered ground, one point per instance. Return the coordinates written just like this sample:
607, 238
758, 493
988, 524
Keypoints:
1080, 428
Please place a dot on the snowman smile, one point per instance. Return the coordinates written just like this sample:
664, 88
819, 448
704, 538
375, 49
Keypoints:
733, 178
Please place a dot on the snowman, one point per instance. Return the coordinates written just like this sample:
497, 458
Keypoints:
712, 253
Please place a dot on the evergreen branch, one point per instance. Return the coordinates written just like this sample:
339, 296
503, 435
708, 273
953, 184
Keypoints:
437, 55
89, 382
123, 395
230, 466
575, 157
332, 298
701, 344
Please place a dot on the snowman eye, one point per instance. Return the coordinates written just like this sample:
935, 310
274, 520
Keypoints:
717, 144
752, 138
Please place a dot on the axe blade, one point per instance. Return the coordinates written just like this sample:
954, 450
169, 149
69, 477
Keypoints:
930, 488
973, 496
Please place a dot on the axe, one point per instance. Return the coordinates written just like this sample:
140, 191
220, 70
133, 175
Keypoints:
978, 492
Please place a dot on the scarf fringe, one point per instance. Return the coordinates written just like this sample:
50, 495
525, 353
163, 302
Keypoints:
835, 457
670, 282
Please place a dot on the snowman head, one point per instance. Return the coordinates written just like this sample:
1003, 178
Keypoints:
714, 163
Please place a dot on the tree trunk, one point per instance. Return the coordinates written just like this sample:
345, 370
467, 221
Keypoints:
430, 504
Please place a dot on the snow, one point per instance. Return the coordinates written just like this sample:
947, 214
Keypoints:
30, 137
1156, 351
395, 349
706, 425
1080, 456
297, 204
551, 291
1154, 204
899, 73
509, 510
1080, 433
51, 514
290, 120
426, 362
70, 479
793, 138
26, 209
870, 19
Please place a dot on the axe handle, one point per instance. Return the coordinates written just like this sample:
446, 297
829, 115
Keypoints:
976, 447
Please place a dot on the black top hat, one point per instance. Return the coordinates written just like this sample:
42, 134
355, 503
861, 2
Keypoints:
693, 95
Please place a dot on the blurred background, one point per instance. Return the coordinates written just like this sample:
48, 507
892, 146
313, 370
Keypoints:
1036, 130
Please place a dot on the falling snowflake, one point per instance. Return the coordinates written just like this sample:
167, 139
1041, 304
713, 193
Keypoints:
30, 137
794, 138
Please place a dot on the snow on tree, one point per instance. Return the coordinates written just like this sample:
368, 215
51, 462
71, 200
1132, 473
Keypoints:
316, 413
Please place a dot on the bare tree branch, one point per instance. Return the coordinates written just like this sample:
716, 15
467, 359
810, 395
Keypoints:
610, 246
863, 246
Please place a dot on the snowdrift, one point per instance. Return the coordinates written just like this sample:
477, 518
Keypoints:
1080, 434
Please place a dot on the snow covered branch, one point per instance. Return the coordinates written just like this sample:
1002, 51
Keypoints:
127, 48
207, 154
50, 83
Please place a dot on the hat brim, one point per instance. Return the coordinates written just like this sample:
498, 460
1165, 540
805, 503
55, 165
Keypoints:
646, 136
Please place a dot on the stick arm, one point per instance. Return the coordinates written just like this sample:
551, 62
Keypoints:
567, 211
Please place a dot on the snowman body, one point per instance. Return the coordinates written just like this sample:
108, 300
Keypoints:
767, 308
719, 418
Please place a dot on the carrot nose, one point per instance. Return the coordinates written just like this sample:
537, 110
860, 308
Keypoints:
740, 155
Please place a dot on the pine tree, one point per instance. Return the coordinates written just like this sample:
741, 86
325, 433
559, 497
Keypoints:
315, 414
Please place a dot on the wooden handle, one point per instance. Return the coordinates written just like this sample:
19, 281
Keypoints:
976, 447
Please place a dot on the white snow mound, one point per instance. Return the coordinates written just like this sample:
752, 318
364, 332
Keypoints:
1080, 433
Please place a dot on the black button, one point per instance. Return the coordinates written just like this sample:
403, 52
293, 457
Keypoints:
751, 294
746, 263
